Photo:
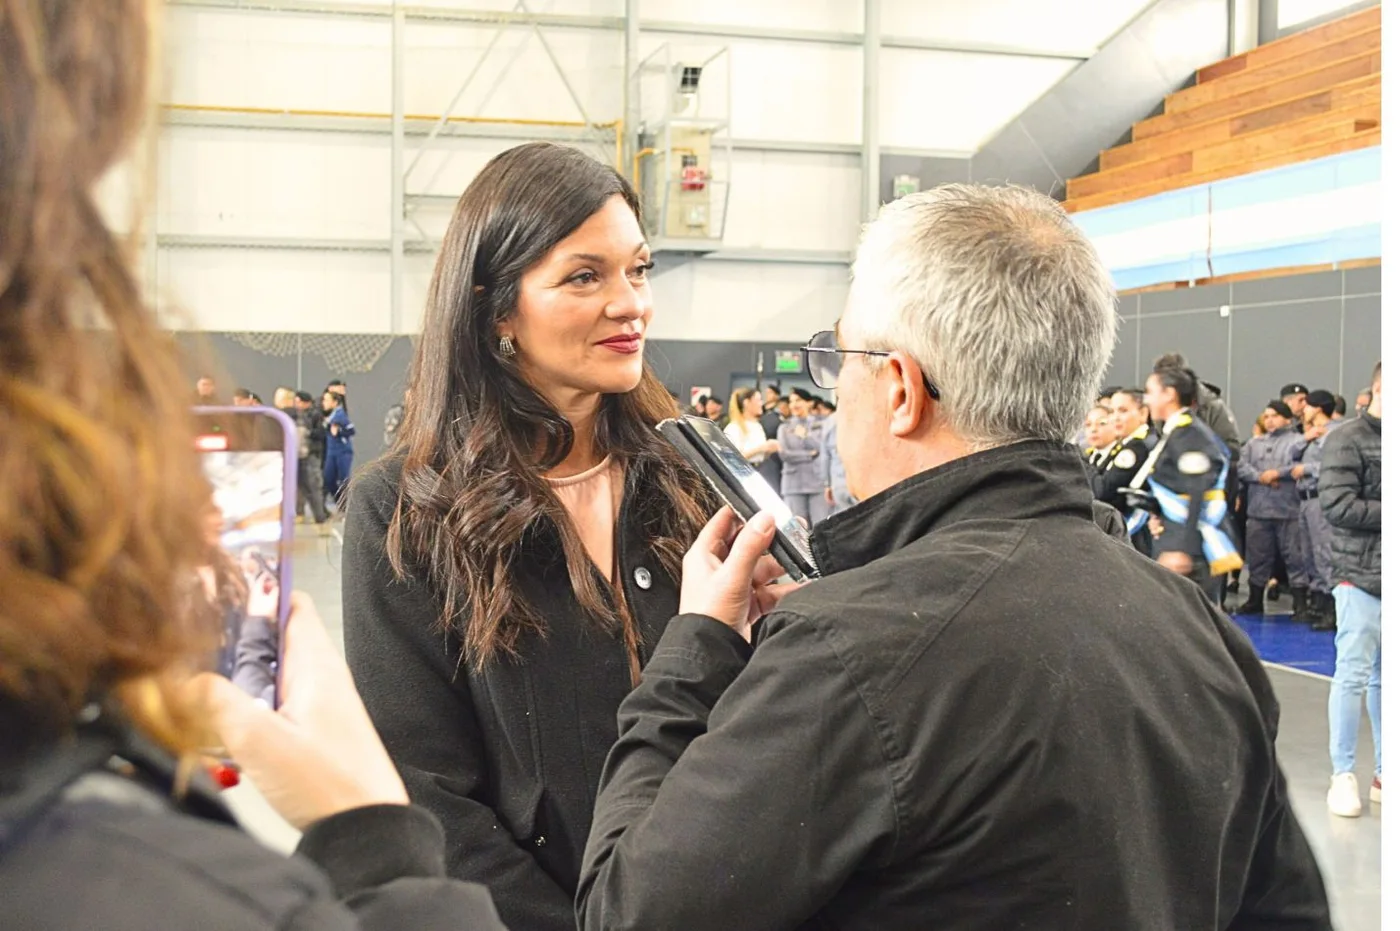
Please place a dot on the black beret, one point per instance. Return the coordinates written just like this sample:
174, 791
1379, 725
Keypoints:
1278, 407
1323, 401
1292, 388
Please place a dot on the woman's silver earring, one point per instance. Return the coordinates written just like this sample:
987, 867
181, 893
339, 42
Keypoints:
507, 347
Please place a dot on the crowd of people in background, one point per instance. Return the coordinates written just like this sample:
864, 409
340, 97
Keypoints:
1296, 507
791, 441
324, 440
1260, 512
955, 725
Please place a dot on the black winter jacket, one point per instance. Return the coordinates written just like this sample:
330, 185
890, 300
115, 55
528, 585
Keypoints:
508, 758
85, 844
956, 728
1349, 487
1215, 414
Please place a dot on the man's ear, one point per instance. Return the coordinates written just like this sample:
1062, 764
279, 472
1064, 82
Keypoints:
909, 404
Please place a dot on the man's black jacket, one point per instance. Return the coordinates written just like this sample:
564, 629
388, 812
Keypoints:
1349, 487
988, 715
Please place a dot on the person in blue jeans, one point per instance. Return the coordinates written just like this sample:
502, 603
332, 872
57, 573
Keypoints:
1349, 487
340, 449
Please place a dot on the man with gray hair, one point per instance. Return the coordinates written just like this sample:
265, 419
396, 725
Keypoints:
954, 726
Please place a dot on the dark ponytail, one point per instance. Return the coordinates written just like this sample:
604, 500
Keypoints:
1181, 380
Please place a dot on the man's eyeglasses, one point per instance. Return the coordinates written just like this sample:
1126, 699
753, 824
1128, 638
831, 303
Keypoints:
824, 361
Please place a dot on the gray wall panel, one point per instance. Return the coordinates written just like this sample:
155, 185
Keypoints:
1290, 288
1158, 302
1282, 343
1013, 157
681, 364
233, 365
931, 172
1268, 19
370, 393
1288, 338
1363, 280
1202, 337
1122, 370
1361, 343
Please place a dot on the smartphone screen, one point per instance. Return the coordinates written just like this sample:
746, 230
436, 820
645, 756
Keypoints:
758, 489
242, 585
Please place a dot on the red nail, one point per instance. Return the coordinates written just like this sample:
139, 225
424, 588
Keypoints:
226, 777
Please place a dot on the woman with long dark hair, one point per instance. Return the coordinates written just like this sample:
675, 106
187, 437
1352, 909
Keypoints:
107, 538
219, 596
510, 565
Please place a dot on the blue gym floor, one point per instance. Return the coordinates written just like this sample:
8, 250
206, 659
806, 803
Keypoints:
1279, 640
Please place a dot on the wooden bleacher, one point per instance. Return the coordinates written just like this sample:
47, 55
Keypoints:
1310, 95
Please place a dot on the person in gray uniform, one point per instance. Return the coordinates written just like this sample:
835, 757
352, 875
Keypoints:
800, 443
838, 494
1295, 397
1314, 533
1266, 467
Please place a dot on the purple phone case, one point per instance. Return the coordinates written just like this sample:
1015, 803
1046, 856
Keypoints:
289, 503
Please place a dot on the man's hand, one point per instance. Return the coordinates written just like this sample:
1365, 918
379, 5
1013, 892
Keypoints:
1297, 472
1269, 477
726, 573
830, 497
1176, 561
1155, 526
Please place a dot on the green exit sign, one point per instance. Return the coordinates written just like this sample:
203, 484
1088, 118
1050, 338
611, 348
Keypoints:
787, 362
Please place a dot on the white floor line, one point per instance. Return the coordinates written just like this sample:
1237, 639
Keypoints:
1301, 672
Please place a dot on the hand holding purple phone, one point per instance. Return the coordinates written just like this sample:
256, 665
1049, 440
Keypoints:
319, 754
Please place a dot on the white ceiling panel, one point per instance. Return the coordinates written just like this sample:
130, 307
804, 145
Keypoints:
566, 7
1042, 25
836, 15
1293, 12
955, 102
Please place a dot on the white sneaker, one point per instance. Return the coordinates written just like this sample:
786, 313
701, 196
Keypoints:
1376, 790
1343, 799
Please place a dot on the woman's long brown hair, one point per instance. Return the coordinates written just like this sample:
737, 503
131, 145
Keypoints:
101, 495
477, 439
737, 400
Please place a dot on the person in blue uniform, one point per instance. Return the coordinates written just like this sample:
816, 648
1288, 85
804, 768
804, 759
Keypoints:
340, 448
